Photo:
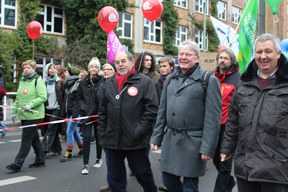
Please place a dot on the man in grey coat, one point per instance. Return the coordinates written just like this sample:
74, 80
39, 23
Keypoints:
188, 122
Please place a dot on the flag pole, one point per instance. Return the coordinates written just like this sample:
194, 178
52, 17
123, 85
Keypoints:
234, 34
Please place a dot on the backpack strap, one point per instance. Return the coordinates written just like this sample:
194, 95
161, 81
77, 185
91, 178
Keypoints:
36, 81
205, 81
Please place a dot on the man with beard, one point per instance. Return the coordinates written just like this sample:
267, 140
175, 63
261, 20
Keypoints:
228, 75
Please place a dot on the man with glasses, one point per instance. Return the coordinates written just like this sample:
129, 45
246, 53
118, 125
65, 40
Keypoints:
228, 75
126, 115
188, 122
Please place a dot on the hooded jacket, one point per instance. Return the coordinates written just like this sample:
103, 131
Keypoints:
228, 84
59, 89
257, 129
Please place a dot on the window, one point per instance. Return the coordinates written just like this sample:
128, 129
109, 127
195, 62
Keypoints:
125, 25
152, 31
200, 5
51, 19
180, 3
8, 13
181, 35
199, 38
221, 7
236, 13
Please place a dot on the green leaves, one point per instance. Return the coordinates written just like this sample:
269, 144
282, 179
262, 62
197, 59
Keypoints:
170, 20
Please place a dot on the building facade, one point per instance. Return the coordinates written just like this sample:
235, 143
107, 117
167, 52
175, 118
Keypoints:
148, 36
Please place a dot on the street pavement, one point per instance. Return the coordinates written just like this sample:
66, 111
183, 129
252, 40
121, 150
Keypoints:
66, 176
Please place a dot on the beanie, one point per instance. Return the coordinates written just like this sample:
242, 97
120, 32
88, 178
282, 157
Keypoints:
94, 61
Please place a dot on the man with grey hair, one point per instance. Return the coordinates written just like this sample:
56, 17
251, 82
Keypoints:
127, 111
228, 75
256, 129
188, 122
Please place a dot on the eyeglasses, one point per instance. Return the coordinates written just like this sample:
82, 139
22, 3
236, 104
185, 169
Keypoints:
107, 69
121, 61
187, 54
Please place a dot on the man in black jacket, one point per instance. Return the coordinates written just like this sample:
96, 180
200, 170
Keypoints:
126, 115
256, 128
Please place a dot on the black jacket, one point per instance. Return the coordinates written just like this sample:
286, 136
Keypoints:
125, 122
257, 129
86, 97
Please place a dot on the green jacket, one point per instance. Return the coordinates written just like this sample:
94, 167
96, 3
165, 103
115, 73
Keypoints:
30, 93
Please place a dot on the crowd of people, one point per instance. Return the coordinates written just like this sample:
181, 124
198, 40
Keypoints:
185, 111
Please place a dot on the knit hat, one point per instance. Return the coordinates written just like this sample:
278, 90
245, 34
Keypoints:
110, 66
94, 61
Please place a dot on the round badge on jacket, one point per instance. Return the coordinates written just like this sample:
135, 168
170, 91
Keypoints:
25, 91
132, 91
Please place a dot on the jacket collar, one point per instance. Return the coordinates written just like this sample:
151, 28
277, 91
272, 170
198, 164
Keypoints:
281, 74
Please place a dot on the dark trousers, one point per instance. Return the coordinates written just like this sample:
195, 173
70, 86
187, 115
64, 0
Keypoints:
139, 164
224, 178
51, 141
87, 135
249, 186
173, 183
30, 137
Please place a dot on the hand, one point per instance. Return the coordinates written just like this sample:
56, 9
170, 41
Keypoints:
154, 147
205, 157
224, 157
27, 108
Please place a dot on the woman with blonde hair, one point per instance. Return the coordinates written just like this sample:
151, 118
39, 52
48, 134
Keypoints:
29, 107
71, 86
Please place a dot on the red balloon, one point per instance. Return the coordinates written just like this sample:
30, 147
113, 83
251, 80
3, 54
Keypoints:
34, 30
152, 9
220, 47
108, 18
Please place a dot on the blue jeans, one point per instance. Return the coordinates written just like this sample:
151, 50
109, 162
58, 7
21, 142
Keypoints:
173, 183
72, 133
139, 164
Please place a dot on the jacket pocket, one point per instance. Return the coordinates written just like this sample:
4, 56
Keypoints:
245, 98
277, 102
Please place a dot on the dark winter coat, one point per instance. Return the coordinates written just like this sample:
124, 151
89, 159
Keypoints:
257, 129
125, 123
71, 86
86, 97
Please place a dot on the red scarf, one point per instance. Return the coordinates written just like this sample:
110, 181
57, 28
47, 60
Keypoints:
122, 79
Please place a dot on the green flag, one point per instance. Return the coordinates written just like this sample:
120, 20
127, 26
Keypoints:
247, 26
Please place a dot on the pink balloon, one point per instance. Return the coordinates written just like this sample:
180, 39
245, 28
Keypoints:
34, 30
